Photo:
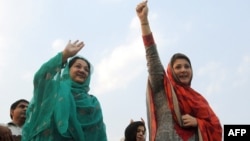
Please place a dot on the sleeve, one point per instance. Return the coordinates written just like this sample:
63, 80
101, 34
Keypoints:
155, 68
45, 94
49, 69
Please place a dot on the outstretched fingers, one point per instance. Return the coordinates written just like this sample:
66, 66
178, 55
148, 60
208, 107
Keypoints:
81, 44
75, 42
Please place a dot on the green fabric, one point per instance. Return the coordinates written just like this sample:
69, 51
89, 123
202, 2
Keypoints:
62, 110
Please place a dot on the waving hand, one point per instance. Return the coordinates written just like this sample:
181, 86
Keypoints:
72, 49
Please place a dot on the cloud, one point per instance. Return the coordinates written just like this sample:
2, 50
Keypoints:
126, 62
120, 67
58, 45
218, 76
14, 18
242, 72
117, 68
134, 24
215, 76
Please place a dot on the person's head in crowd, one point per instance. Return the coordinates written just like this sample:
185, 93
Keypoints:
18, 111
135, 131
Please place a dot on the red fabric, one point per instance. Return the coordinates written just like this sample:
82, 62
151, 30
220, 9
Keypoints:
151, 120
148, 40
191, 102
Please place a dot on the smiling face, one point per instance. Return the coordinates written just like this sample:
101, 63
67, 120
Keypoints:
182, 70
79, 70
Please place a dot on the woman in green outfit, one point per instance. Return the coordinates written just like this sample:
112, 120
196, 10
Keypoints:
61, 108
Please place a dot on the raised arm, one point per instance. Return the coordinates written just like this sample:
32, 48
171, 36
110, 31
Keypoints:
49, 69
155, 68
142, 13
72, 49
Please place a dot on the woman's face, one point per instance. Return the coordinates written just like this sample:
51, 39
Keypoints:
182, 70
140, 134
79, 71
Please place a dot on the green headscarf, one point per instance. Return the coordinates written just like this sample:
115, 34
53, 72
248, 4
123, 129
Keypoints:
62, 109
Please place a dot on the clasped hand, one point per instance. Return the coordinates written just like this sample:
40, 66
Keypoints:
189, 121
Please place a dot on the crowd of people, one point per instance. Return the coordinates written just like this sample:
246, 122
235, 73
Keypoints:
12, 131
176, 112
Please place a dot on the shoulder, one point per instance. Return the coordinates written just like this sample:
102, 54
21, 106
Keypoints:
16, 130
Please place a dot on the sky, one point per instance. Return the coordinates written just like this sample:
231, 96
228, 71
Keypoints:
214, 34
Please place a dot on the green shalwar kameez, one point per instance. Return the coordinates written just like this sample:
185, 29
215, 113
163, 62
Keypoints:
61, 109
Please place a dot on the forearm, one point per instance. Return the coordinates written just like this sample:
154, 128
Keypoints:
65, 56
49, 69
142, 13
155, 68
145, 28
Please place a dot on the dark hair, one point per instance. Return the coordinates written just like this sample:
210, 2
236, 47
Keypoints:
14, 105
73, 60
131, 130
179, 56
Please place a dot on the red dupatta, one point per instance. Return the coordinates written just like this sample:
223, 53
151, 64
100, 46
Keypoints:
184, 100
193, 103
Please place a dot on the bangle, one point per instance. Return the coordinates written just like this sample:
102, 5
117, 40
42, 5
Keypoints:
144, 23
